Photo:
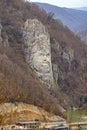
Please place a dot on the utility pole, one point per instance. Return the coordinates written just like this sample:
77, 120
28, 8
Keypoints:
68, 115
81, 101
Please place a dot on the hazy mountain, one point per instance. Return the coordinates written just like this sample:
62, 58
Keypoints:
82, 32
72, 18
69, 17
82, 8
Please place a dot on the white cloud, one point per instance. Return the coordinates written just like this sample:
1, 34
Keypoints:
64, 3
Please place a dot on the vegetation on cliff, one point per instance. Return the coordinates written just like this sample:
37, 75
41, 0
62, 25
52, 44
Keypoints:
18, 82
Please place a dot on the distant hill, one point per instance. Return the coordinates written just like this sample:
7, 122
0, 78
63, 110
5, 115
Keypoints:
74, 19
69, 17
82, 32
82, 8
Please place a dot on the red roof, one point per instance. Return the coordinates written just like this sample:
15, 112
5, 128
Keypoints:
19, 124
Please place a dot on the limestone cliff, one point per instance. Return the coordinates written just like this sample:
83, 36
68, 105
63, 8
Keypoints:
37, 49
62, 60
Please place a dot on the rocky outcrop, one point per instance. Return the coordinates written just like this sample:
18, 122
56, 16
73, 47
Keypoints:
13, 112
68, 54
0, 33
37, 49
61, 60
3, 37
55, 72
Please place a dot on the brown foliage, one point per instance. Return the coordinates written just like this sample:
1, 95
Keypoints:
18, 84
17, 81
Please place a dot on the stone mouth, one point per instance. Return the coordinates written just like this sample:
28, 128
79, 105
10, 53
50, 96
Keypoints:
45, 62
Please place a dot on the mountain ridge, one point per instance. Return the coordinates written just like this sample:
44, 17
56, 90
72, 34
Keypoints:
64, 14
82, 8
74, 19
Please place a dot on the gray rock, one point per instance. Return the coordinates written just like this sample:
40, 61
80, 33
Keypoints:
55, 72
68, 54
37, 49
3, 37
0, 33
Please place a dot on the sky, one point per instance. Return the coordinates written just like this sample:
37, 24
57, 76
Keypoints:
64, 3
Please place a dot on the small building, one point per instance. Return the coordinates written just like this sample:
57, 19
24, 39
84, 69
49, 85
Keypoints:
83, 127
31, 125
61, 128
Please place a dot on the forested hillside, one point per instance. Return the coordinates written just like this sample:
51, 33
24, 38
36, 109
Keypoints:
18, 82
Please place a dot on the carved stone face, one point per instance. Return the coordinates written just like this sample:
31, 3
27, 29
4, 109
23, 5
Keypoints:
38, 52
41, 57
41, 62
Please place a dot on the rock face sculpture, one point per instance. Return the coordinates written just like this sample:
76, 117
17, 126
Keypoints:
37, 49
